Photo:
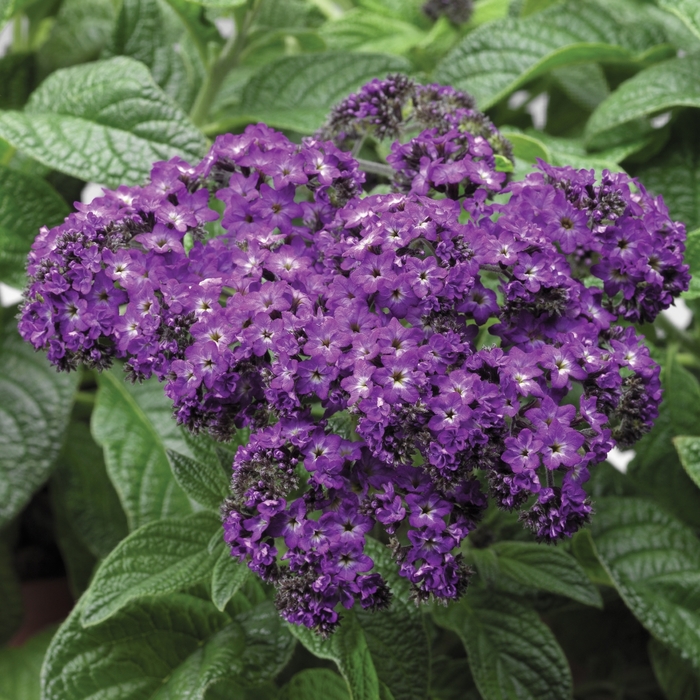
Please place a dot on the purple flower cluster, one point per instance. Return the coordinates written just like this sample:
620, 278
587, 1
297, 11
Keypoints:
391, 354
397, 105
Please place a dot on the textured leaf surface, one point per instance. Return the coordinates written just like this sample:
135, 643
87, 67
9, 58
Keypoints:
546, 569
688, 11
170, 647
666, 85
511, 652
26, 204
227, 577
676, 677
499, 57
347, 647
149, 31
82, 485
161, 557
670, 486
20, 668
654, 561
105, 121
134, 425
396, 637
204, 482
35, 405
315, 684
78, 35
675, 174
688, 448
360, 30
297, 92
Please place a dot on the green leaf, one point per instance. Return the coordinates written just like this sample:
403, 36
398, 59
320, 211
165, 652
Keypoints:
525, 147
35, 405
20, 667
80, 32
26, 204
688, 11
547, 569
653, 560
228, 576
679, 414
12, 610
511, 652
269, 644
134, 425
407, 10
675, 173
396, 637
17, 78
585, 85
159, 558
675, 676
106, 121
205, 483
661, 87
360, 30
82, 486
202, 32
499, 57
584, 550
149, 31
688, 448
347, 647
224, 4
297, 92
171, 648
315, 684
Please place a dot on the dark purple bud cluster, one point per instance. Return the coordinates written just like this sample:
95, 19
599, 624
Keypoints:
390, 354
457, 11
397, 105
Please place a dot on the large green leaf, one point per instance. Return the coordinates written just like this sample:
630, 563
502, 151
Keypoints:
106, 121
656, 469
82, 486
360, 30
159, 558
171, 648
20, 668
79, 33
545, 568
676, 677
35, 405
150, 31
511, 652
347, 647
688, 11
297, 92
134, 425
661, 87
499, 57
396, 637
315, 684
26, 204
654, 561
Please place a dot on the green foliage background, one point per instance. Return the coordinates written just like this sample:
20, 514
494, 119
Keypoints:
95, 92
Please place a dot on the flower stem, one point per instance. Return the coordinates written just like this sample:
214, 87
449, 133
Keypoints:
369, 166
227, 61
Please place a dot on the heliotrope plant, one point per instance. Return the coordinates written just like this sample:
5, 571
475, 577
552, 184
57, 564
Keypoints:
398, 358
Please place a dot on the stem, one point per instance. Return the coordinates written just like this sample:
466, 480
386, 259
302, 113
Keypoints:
227, 60
369, 166
678, 335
